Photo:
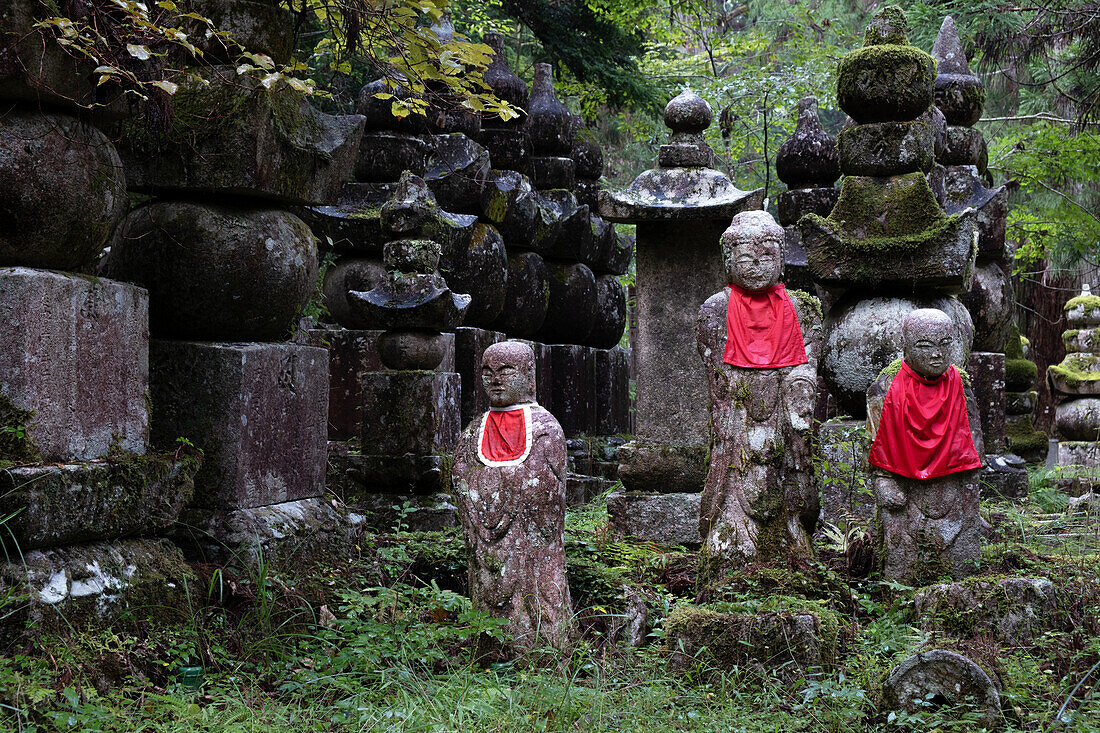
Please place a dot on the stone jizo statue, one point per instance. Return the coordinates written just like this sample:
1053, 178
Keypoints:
925, 456
509, 486
759, 346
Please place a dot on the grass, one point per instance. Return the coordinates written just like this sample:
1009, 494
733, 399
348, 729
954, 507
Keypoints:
384, 645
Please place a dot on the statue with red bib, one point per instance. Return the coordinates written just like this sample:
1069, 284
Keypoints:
925, 457
760, 348
509, 487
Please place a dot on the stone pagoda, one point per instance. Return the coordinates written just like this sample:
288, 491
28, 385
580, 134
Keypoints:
681, 208
1077, 380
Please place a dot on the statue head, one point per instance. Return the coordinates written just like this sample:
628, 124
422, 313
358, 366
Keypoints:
928, 337
752, 249
508, 373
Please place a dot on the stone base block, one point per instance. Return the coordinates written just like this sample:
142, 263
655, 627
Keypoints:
470, 344
581, 489
257, 411
572, 389
291, 536
1085, 454
353, 475
1004, 476
411, 412
611, 383
60, 504
81, 586
352, 355
987, 377
74, 352
846, 495
1024, 440
389, 512
670, 519
1021, 403
797, 202
788, 643
1013, 611
456, 172
661, 468
509, 149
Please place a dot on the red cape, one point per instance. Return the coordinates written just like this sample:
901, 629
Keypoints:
762, 330
924, 431
505, 436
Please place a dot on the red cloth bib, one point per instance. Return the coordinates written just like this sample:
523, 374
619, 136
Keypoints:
924, 431
504, 436
762, 330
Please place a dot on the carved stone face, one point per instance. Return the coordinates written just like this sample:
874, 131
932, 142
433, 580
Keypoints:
752, 249
508, 373
927, 339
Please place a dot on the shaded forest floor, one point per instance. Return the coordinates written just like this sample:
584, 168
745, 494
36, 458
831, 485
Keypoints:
384, 643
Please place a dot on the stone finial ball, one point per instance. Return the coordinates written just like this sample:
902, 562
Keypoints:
927, 336
688, 112
752, 249
508, 373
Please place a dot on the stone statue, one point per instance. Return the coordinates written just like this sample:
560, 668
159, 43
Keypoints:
759, 347
509, 486
925, 454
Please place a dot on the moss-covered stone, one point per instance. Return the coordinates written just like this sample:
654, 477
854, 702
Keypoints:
127, 495
1023, 439
1076, 374
1083, 311
806, 303
885, 83
886, 148
1019, 374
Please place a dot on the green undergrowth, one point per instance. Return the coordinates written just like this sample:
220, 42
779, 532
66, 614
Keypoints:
384, 642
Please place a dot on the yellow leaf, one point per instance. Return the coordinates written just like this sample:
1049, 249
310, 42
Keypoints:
166, 86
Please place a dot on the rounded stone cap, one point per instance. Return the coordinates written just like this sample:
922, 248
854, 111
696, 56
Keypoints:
941, 677
500, 78
888, 26
688, 112
809, 157
549, 123
959, 93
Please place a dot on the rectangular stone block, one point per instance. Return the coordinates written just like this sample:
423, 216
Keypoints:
1079, 453
611, 386
257, 411
846, 494
987, 378
676, 274
470, 344
572, 392
352, 355
544, 374
75, 351
670, 519
84, 502
353, 475
411, 412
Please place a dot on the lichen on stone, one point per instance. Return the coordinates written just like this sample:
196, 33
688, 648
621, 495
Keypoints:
16, 443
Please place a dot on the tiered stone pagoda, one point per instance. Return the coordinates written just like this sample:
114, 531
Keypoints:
1077, 381
681, 208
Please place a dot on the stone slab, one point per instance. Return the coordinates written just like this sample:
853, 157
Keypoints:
413, 412
581, 489
544, 374
1012, 610
470, 344
572, 388
257, 411
352, 355
353, 475
663, 468
75, 351
83, 586
1078, 453
61, 504
611, 386
669, 519
987, 378
413, 513
1001, 478
291, 536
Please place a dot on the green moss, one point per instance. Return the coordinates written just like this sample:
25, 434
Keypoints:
895, 214
1087, 302
1085, 340
885, 72
1075, 370
888, 26
806, 303
1020, 374
891, 369
1014, 348
16, 443
1024, 439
